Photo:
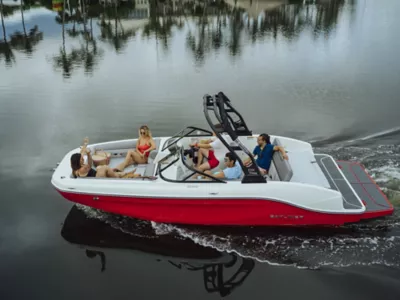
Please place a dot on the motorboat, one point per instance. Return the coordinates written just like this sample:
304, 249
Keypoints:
307, 189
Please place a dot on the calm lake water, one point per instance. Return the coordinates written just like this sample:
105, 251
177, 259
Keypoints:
322, 71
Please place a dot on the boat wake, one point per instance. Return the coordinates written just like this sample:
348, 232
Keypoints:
350, 137
376, 242
392, 132
299, 248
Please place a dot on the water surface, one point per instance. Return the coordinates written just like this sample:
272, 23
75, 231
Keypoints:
322, 71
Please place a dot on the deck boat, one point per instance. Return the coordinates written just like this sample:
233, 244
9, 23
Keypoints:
307, 189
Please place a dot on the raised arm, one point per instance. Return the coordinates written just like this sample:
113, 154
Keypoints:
89, 157
86, 151
282, 151
84, 146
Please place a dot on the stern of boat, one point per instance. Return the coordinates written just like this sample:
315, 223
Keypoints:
356, 185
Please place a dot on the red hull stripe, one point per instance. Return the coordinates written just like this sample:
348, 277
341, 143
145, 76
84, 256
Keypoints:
245, 212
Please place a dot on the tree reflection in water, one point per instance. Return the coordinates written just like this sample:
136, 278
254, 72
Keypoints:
6, 52
21, 41
162, 19
87, 55
214, 25
112, 28
215, 275
210, 26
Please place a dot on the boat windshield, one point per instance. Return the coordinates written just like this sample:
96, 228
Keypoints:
185, 133
178, 166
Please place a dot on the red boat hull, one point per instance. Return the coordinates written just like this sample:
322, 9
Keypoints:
241, 212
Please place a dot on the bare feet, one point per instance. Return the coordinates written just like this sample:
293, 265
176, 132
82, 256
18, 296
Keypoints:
131, 174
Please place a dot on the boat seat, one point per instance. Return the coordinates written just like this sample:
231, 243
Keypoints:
182, 172
150, 169
154, 152
179, 173
283, 170
123, 151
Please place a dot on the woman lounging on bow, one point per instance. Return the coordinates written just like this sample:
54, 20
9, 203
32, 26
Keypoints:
144, 145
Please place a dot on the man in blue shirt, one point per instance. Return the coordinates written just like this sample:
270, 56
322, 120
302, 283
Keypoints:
232, 170
263, 153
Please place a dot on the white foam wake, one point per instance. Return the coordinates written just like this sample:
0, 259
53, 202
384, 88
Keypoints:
380, 134
300, 252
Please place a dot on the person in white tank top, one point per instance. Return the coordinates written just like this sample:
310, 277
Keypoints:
214, 150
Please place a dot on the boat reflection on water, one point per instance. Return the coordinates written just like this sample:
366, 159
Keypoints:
213, 273
222, 272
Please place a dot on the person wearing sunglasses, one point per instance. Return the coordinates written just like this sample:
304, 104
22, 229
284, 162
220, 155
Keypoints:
263, 153
232, 168
144, 145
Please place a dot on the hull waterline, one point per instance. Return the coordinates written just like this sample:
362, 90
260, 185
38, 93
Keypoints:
220, 212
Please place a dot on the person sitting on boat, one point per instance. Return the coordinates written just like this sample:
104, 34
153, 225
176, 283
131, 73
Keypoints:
80, 169
207, 149
263, 153
232, 170
144, 145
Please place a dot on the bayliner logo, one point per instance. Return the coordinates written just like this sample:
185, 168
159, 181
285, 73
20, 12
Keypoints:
286, 216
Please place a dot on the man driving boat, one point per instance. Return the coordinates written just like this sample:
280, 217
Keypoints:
232, 169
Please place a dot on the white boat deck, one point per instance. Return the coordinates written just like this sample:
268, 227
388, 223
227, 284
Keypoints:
115, 161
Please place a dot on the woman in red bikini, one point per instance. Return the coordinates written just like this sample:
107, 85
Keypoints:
144, 145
